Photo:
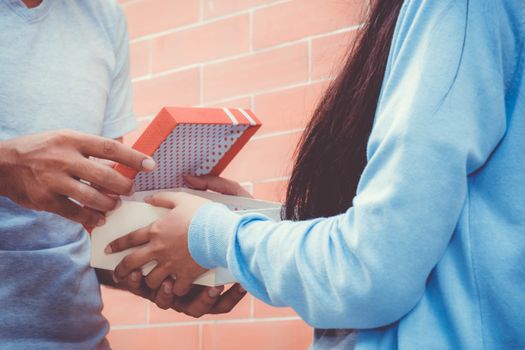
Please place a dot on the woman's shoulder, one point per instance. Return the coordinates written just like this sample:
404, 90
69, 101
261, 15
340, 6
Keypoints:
492, 13
500, 23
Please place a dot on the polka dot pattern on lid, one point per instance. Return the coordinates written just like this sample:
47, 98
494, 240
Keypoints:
191, 149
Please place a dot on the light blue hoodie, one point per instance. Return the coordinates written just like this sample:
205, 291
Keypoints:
432, 254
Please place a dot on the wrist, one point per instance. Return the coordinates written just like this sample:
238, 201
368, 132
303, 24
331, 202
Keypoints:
209, 235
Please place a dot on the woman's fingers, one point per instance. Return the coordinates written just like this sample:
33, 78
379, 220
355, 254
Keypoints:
164, 296
217, 184
133, 261
228, 300
163, 199
133, 239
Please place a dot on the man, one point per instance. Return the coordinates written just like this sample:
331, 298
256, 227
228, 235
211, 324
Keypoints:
63, 65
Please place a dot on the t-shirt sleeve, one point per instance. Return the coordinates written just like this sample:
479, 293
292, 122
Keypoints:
441, 115
119, 118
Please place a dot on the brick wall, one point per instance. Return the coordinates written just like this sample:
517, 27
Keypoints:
273, 56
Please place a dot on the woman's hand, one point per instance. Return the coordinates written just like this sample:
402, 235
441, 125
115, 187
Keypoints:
199, 300
217, 184
164, 241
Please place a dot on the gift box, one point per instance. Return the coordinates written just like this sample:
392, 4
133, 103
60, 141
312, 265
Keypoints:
182, 141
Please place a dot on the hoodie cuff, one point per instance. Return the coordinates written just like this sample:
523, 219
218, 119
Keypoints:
209, 234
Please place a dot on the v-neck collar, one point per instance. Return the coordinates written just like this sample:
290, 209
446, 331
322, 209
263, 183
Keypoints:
30, 14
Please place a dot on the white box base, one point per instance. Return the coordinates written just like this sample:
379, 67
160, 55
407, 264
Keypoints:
132, 215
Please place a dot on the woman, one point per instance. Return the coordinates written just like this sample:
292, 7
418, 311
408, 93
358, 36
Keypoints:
406, 205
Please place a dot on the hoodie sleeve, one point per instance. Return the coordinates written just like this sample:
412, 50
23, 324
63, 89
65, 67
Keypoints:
440, 115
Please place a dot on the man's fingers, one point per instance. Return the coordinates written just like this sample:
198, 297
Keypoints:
102, 176
202, 303
87, 195
100, 147
156, 277
133, 261
228, 300
181, 286
217, 184
133, 239
133, 282
72, 211
164, 296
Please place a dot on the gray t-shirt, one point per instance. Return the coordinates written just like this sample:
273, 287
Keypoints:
63, 64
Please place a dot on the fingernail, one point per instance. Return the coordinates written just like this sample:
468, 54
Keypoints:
135, 276
148, 164
101, 222
132, 191
166, 288
118, 205
108, 250
115, 279
241, 289
213, 292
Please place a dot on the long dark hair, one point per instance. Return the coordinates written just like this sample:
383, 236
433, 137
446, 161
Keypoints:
332, 152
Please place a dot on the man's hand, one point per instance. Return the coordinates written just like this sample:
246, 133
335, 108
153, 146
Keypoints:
165, 241
200, 300
42, 171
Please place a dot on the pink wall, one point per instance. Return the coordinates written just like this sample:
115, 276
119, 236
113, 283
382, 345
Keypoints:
273, 56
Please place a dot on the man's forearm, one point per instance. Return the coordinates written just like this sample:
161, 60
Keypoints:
6, 163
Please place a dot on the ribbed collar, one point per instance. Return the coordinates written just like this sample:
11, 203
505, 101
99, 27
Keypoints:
30, 14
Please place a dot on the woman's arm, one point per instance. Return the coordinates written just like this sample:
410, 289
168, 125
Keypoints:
441, 114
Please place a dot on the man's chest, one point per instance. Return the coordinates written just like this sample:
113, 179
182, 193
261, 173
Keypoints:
52, 79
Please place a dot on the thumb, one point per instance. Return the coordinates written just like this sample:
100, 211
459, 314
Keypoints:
163, 199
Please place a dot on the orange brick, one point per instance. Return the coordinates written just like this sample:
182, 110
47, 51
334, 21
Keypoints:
214, 8
264, 158
152, 16
168, 338
242, 310
262, 310
181, 88
261, 71
244, 102
282, 335
270, 191
328, 54
288, 109
121, 308
298, 19
207, 42
129, 139
140, 58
